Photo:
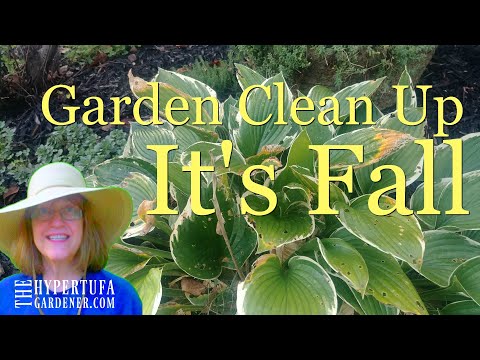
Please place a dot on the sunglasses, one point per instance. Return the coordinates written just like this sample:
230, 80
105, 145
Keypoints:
68, 213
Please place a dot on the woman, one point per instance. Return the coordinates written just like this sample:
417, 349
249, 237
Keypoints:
59, 238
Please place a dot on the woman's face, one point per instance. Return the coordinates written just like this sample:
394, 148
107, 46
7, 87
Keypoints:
58, 229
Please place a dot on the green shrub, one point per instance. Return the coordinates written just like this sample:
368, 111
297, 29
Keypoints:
272, 59
77, 144
337, 66
220, 76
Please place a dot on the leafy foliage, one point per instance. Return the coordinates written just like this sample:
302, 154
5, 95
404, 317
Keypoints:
76, 144
290, 261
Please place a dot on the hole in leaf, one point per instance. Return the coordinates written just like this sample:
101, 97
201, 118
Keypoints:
384, 294
349, 273
132, 224
383, 261
360, 266
285, 231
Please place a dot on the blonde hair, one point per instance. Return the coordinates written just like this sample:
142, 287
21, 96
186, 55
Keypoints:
91, 256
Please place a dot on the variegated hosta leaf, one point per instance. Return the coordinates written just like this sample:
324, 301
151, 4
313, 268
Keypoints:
229, 121
443, 202
366, 305
125, 260
251, 139
443, 157
170, 85
360, 118
247, 77
299, 287
298, 155
377, 144
372, 306
444, 252
237, 163
394, 234
465, 307
472, 234
198, 246
187, 135
409, 158
410, 98
141, 188
305, 178
317, 132
142, 136
114, 171
387, 281
391, 121
346, 260
288, 222
148, 284
365, 88
468, 276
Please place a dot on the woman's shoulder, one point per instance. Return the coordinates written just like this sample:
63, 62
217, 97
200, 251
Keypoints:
15, 279
121, 288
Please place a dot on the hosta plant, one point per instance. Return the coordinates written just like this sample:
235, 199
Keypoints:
290, 261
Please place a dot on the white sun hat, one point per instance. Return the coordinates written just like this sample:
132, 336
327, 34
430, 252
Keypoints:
111, 206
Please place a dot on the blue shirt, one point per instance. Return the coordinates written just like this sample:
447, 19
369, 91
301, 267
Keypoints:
105, 294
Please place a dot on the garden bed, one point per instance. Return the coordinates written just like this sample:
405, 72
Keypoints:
453, 71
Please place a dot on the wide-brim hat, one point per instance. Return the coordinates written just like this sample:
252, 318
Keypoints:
111, 207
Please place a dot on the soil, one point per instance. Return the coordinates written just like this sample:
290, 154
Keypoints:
454, 70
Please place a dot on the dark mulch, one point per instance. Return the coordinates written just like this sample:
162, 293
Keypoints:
454, 71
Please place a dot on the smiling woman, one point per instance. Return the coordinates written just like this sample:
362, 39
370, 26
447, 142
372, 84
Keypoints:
59, 238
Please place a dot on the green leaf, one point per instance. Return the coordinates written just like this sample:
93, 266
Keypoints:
444, 252
377, 144
416, 203
472, 234
247, 77
372, 306
317, 132
124, 260
288, 222
387, 281
410, 98
466, 307
114, 171
468, 276
149, 287
251, 139
392, 122
443, 203
347, 261
360, 118
345, 293
237, 163
188, 135
443, 157
200, 250
409, 159
141, 188
394, 234
142, 136
301, 287
365, 88
298, 155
